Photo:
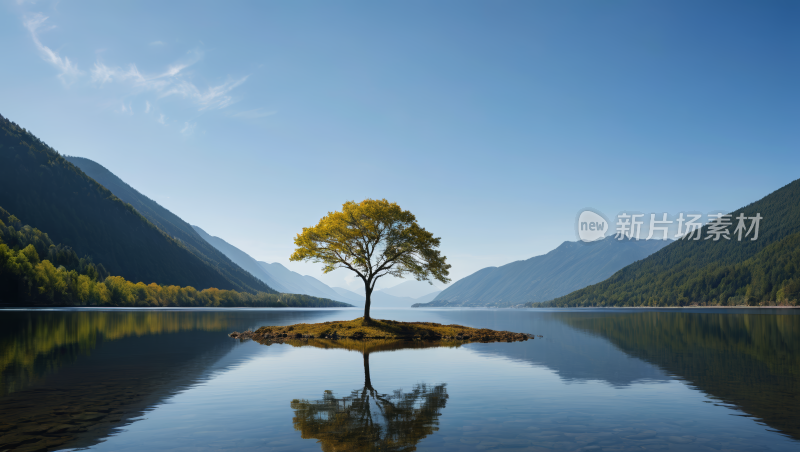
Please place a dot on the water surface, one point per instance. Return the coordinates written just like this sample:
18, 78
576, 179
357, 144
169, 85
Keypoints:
597, 380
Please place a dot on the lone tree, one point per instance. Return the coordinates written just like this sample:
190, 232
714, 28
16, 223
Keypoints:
373, 238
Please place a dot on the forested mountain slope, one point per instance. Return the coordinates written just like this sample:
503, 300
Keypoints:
47, 192
723, 272
172, 225
571, 266
36, 272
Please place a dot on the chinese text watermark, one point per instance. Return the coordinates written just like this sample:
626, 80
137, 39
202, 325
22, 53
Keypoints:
592, 226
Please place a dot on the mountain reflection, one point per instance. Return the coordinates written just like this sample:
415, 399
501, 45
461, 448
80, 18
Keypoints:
69, 378
748, 360
36, 343
368, 420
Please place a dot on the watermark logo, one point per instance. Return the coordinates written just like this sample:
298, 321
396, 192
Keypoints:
591, 226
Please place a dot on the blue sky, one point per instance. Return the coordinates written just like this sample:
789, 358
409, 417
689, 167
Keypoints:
494, 122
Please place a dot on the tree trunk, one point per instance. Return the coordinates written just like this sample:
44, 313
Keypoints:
368, 291
367, 380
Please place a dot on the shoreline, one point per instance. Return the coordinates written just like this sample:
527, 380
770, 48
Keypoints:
378, 329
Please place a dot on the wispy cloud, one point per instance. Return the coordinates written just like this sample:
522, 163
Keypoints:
170, 82
214, 97
104, 74
174, 80
188, 128
162, 120
68, 71
176, 69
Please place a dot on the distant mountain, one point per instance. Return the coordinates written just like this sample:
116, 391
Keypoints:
571, 266
47, 192
411, 289
428, 298
286, 281
241, 259
296, 283
384, 300
723, 272
276, 275
172, 225
352, 297
381, 299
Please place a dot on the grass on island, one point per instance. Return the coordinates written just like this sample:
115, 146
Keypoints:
364, 346
381, 329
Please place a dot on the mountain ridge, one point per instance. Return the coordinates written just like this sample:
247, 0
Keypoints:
47, 192
719, 273
412, 289
241, 259
173, 225
34, 271
298, 283
568, 267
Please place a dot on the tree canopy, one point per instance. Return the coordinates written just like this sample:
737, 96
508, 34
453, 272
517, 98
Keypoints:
373, 238
240, 278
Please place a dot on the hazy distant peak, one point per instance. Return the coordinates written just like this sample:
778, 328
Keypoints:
412, 289
571, 266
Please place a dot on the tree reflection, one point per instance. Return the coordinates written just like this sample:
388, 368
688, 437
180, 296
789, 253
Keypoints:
367, 419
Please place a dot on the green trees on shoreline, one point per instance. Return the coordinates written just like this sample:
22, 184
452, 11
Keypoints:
762, 272
770, 278
36, 272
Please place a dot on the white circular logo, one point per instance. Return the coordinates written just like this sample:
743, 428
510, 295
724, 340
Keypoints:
591, 226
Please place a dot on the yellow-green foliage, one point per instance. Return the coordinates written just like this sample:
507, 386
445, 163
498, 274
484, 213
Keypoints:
384, 330
25, 278
48, 284
373, 238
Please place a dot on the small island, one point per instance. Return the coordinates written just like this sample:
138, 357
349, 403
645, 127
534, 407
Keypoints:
374, 238
380, 329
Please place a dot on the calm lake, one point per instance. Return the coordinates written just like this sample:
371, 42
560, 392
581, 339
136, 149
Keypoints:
611, 380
